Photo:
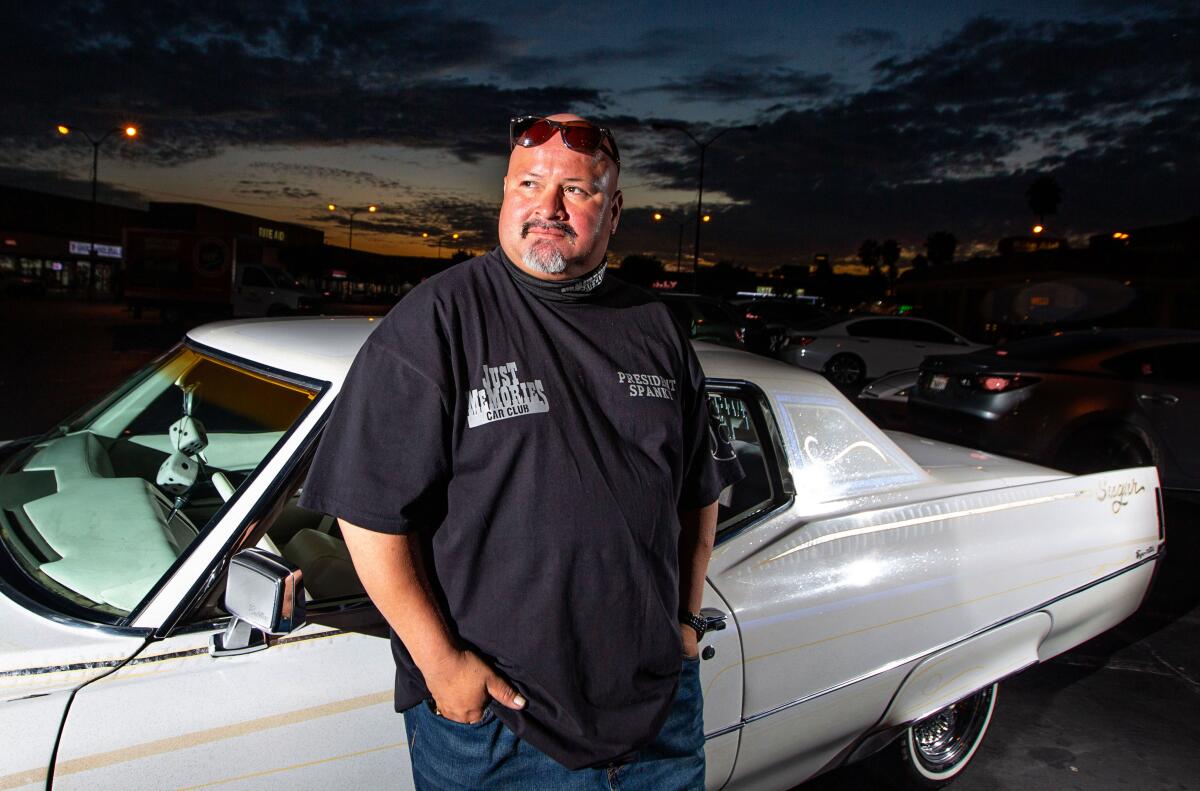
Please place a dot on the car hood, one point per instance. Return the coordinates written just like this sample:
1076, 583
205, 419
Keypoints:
41, 653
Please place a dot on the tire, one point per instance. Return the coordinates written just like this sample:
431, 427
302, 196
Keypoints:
933, 751
846, 370
1099, 449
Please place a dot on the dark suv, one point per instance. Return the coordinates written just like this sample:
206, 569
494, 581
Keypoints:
704, 318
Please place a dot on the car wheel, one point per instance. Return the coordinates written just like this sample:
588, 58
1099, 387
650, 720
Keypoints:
937, 749
279, 310
846, 370
1100, 449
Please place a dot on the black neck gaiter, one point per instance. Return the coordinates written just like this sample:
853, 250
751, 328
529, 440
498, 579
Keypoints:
577, 289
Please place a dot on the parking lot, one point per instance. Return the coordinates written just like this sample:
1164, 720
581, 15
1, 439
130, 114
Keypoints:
1118, 712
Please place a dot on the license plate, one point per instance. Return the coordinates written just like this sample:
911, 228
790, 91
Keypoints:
938, 382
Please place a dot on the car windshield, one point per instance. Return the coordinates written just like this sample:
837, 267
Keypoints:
98, 510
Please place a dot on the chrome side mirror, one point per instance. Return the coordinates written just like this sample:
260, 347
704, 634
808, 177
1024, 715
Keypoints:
265, 595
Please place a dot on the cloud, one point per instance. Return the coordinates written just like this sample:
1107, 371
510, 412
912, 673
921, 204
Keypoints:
869, 38
658, 45
952, 136
322, 173
440, 216
726, 85
58, 183
200, 78
273, 189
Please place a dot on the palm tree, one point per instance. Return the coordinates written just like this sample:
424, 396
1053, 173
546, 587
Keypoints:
1044, 195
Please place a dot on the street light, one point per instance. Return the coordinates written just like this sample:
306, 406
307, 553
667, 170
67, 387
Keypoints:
700, 182
372, 209
453, 237
1038, 229
659, 217
130, 131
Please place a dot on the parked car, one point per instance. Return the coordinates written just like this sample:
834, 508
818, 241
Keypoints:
172, 618
15, 284
704, 318
885, 400
767, 320
851, 351
1080, 401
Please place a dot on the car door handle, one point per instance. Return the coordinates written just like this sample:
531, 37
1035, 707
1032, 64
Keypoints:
1162, 399
714, 619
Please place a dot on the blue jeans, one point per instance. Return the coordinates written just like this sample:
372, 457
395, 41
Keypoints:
451, 756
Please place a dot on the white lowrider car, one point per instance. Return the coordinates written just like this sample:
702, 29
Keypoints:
874, 587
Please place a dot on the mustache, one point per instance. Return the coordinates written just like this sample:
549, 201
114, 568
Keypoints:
550, 225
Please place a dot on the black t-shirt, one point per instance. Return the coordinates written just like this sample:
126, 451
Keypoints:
540, 441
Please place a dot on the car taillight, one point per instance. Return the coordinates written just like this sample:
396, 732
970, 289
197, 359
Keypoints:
752, 316
801, 340
994, 383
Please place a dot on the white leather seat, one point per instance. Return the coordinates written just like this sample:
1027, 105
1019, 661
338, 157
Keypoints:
325, 561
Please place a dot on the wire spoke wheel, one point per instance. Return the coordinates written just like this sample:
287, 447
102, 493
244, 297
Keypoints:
937, 748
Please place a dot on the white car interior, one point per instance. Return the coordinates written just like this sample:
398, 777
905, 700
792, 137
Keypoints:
100, 509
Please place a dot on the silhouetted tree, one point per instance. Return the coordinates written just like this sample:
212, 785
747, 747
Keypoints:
920, 263
868, 253
641, 270
460, 256
940, 246
889, 252
1044, 195
725, 279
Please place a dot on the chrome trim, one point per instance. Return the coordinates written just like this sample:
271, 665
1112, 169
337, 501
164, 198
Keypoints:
724, 731
143, 660
754, 521
917, 657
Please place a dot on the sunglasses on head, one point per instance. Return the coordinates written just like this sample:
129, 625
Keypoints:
585, 137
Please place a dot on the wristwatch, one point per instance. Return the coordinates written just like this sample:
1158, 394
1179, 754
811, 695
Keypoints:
696, 621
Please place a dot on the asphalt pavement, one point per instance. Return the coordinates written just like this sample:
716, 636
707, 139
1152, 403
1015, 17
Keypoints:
1119, 712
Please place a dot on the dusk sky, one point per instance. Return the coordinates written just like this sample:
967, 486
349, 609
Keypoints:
876, 119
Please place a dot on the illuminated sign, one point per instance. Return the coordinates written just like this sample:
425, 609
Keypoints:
664, 285
274, 234
102, 250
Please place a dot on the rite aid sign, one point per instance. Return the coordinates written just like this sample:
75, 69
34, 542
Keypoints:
102, 250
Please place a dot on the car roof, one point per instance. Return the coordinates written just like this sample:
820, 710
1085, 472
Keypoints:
683, 295
323, 348
315, 347
1093, 345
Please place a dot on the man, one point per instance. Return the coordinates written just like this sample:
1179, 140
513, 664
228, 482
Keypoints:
521, 466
